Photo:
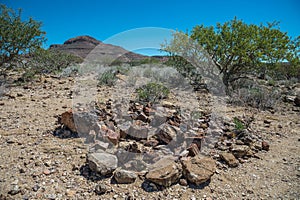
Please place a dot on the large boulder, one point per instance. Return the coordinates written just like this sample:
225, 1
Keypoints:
165, 172
102, 163
198, 170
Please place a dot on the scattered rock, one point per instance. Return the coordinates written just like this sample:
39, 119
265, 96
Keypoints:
99, 145
14, 190
183, 182
35, 188
142, 117
47, 172
229, 158
101, 189
102, 163
193, 150
240, 151
151, 143
166, 134
297, 100
165, 172
85, 122
70, 193
265, 145
138, 132
198, 170
158, 119
124, 129
113, 136
124, 177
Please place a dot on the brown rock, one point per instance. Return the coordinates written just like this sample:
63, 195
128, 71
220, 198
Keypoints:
166, 134
151, 143
142, 117
198, 170
165, 172
193, 150
240, 151
47, 172
183, 182
70, 193
265, 145
229, 159
113, 136
68, 121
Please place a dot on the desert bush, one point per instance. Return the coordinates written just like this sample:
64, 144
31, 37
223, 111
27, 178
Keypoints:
52, 61
107, 78
256, 96
49, 61
152, 92
144, 61
70, 71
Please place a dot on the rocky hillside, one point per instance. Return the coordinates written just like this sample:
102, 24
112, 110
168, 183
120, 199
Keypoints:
82, 46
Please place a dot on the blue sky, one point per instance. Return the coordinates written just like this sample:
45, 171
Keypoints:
63, 19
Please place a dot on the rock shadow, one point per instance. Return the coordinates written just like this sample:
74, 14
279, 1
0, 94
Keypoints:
63, 132
90, 175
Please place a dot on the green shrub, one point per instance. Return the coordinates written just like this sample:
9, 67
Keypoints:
152, 92
238, 124
107, 78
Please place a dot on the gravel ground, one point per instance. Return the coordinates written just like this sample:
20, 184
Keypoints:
36, 164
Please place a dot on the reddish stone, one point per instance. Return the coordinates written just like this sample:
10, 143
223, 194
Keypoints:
193, 150
265, 146
68, 121
113, 136
151, 143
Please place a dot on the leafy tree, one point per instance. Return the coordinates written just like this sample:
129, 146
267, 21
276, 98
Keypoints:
237, 48
17, 37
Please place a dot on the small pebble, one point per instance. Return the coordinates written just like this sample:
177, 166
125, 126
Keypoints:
100, 189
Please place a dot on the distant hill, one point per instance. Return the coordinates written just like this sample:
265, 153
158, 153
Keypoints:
88, 47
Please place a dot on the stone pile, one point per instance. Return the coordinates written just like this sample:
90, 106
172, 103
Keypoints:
160, 143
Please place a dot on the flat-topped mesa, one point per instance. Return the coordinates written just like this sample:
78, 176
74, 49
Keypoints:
84, 38
88, 47
80, 46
